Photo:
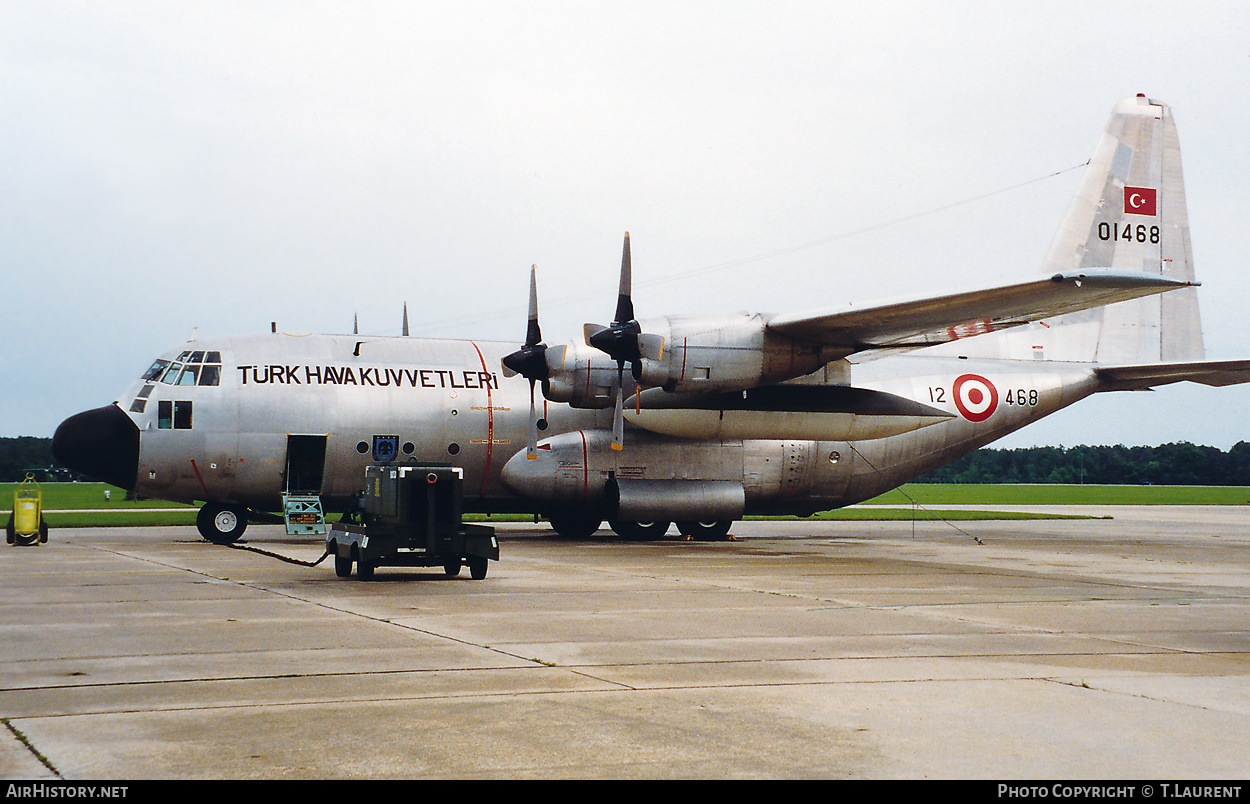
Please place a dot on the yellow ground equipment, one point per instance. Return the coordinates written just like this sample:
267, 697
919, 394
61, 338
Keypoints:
26, 523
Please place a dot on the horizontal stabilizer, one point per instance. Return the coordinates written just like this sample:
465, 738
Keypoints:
940, 319
1147, 375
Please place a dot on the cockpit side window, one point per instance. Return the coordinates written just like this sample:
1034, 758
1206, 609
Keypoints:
155, 371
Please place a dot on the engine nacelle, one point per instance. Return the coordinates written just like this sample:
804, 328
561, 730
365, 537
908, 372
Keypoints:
656, 478
685, 354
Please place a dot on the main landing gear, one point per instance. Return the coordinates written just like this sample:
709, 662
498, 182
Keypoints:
579, 525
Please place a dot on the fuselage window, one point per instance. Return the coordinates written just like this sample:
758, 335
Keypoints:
182, 415
173, 415
141, 400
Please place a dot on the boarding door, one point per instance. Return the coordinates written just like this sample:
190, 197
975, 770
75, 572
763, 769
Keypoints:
305, 470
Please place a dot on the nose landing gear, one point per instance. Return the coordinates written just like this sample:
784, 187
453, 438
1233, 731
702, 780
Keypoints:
221, 524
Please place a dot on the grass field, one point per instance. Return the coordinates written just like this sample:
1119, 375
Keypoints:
930, 494
69, 505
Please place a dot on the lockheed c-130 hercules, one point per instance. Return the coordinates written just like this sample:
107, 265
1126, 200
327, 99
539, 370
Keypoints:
697, 420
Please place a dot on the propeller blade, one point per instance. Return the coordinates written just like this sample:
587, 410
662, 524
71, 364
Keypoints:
618, 419
591, 330
624, 301
651, 346
533, 334
531, 452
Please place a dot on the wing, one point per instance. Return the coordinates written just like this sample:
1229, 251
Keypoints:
939, 319
1147, 375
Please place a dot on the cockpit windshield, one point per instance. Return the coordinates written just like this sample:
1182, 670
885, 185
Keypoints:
191, 368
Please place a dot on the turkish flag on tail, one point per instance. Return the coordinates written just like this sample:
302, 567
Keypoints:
1139, 201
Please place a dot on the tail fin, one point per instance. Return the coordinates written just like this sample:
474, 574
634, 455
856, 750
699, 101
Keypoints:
1130, 213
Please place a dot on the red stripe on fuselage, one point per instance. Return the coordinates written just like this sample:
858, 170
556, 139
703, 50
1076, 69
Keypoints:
490, 425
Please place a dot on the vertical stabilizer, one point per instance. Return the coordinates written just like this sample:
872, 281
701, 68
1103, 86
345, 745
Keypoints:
1130, 214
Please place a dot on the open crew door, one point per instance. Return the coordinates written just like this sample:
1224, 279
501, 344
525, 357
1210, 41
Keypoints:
305, 470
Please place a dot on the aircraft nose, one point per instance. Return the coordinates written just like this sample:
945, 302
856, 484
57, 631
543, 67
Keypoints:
101, 443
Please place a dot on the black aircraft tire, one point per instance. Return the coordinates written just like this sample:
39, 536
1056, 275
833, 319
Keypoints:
221, 524
639, 531
576, 525
706, 531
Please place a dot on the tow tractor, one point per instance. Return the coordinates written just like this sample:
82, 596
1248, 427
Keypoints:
411, 517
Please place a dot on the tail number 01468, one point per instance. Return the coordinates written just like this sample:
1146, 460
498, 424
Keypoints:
1140, 233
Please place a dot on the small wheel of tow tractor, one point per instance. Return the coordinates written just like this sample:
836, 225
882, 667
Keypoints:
705, 531
10, 532
221, 524
43, 531
639, 531
477, 567
452, 567
342, 566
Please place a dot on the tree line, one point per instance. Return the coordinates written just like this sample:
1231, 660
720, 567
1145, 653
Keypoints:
23, 454
1179, 464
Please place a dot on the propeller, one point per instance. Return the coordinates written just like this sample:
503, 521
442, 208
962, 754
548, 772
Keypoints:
530, 361
622, 341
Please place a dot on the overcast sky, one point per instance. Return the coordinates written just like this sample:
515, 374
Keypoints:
224, 165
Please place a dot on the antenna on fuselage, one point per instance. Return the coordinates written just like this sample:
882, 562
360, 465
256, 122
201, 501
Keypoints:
405, 319
355, 324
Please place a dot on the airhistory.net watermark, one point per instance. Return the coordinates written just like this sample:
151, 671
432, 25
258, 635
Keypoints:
51, 790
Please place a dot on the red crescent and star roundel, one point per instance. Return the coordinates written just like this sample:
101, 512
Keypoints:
975, 397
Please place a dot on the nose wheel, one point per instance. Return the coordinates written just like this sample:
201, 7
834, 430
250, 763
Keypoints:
221, 524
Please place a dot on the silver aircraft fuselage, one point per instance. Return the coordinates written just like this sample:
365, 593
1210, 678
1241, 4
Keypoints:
446, 401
